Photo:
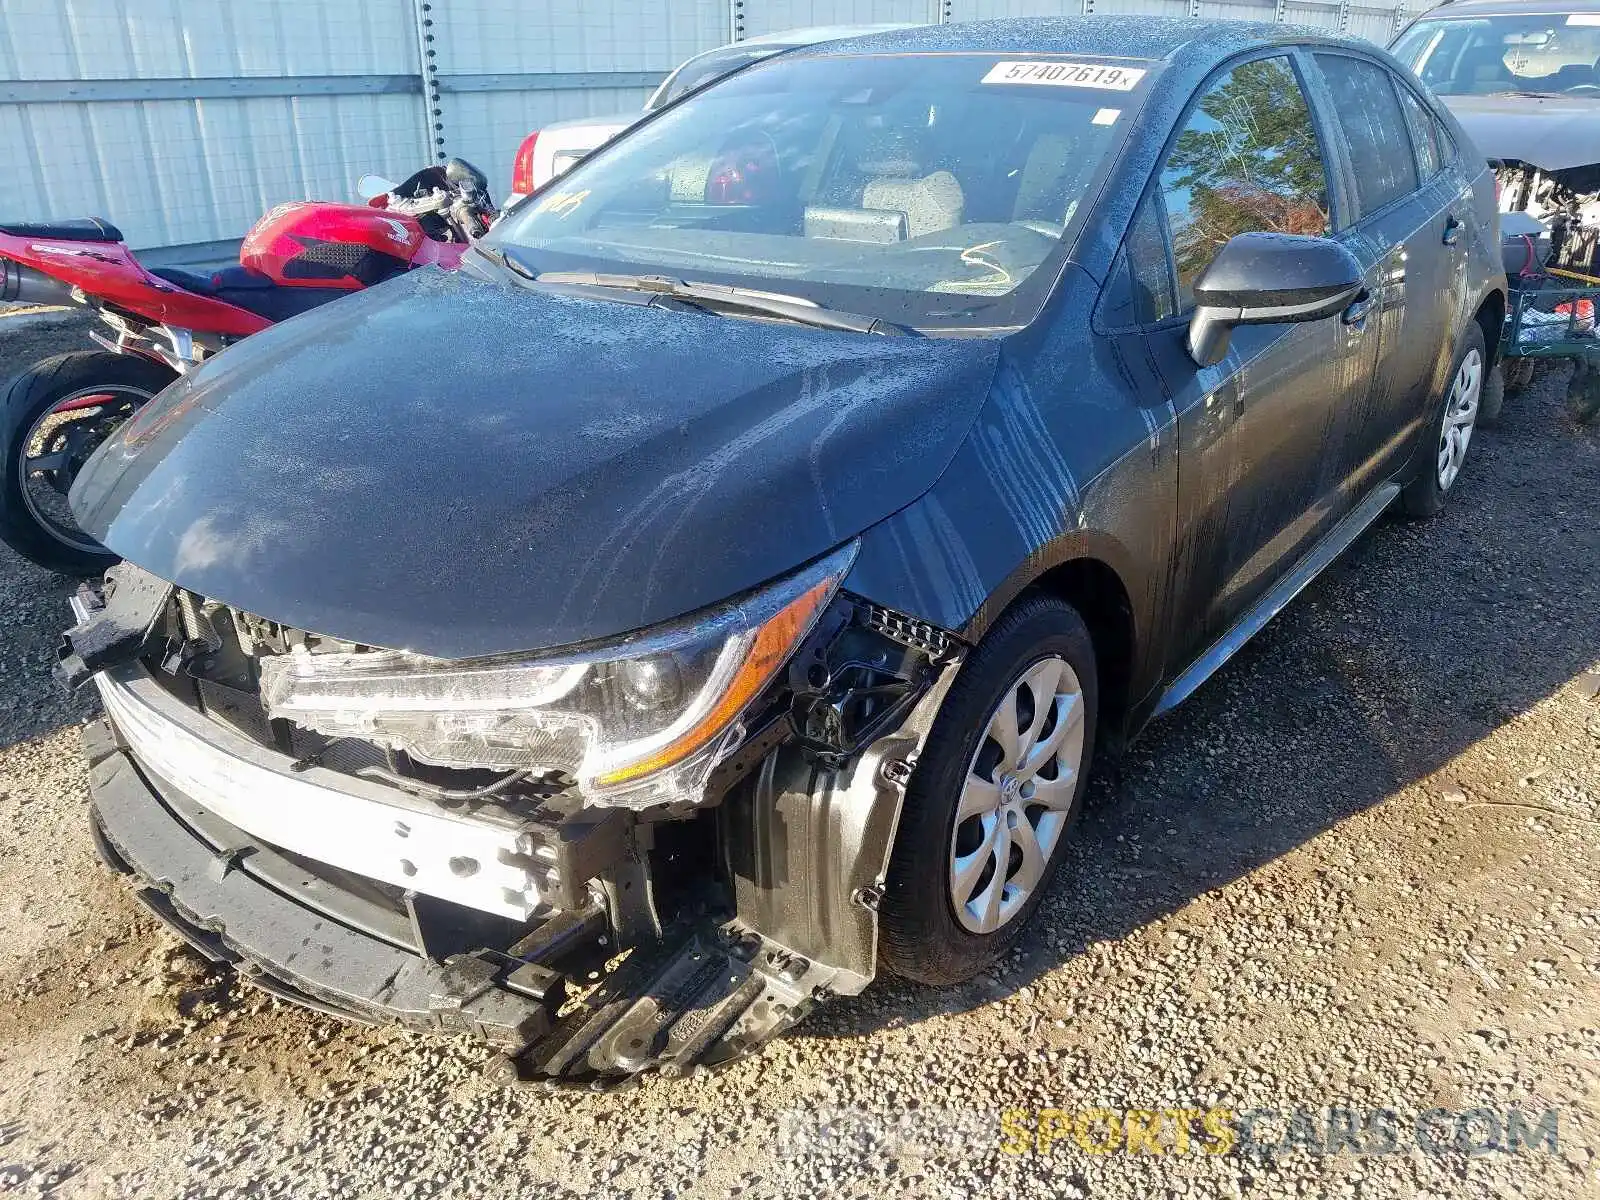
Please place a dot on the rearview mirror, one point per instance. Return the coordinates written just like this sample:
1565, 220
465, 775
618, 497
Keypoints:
1265, 279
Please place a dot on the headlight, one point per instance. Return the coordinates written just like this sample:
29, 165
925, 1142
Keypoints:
637, 722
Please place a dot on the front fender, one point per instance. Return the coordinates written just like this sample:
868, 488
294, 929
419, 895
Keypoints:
1062, 464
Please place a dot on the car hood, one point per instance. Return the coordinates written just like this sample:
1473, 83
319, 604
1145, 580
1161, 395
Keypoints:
1552, 133
462, 467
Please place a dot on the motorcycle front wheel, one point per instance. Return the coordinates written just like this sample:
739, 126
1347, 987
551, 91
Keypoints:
56, 414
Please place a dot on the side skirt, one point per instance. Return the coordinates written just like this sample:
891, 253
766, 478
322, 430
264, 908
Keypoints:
1334, 543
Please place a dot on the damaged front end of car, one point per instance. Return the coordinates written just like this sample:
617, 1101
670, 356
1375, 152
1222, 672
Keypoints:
656, 852
1550, 242
1562, 232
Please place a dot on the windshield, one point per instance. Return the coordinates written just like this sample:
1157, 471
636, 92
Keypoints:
924, 190
1553, 53
698, 72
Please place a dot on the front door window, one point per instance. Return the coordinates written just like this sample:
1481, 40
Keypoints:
1248, 160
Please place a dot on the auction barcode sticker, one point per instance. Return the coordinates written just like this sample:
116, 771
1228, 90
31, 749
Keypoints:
1066, 74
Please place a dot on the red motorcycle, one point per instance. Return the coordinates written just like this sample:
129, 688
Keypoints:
164, 322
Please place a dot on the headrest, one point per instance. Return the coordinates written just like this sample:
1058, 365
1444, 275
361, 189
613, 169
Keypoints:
930, 204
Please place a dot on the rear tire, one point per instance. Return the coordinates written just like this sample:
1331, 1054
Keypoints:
1448, 432
34, 520
945, 915
1493, 400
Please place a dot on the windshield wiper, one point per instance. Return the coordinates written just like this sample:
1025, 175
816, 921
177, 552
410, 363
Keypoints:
721, 297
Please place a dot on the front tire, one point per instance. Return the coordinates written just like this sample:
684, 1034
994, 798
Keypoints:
998, 786
55, 415
1448, 433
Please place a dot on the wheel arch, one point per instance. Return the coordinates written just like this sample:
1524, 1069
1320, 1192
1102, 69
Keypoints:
1085, 574
1097, 592
1490, 316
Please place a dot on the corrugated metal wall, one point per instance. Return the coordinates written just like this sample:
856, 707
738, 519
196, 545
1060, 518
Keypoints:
509, 66
184, 120
181, 138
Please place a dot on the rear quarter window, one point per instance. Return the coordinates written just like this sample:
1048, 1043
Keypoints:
1424, 134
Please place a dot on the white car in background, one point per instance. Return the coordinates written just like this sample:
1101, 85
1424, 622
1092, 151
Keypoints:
548, 152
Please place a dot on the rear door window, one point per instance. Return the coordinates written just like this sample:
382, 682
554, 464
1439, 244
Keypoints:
1368, 111
1247, 161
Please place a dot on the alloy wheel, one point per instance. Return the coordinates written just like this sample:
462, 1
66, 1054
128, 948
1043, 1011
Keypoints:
57, 446
1460, 418
1017, 795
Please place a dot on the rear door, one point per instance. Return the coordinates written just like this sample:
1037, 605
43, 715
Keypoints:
1401, 231
1447, 193
1261, 475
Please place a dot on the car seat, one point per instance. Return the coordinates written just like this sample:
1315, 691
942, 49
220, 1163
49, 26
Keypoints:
930, 204
1570, 76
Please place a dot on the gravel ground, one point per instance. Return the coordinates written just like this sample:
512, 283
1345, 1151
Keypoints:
1357, 870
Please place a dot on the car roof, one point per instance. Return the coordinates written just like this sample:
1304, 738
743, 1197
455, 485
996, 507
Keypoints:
777, 43
1508, 8
810, 35
793, 39
1111, 35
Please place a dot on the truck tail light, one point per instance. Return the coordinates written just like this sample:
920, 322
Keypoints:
522, 167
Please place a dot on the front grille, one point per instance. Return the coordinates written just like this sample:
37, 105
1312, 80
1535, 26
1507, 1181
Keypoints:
211, 660
239, 710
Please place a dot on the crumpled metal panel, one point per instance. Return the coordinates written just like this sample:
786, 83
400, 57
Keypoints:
1552, 134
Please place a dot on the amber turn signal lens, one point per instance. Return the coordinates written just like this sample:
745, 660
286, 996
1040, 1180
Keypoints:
771, 648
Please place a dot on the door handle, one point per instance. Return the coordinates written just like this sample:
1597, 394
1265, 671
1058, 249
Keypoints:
1356, 314
1452, 231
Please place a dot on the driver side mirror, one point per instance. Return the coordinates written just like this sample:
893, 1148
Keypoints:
1268, 279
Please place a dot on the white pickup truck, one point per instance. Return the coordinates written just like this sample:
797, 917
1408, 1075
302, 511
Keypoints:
548, 152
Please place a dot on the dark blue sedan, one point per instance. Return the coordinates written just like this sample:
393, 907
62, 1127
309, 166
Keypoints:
724, 584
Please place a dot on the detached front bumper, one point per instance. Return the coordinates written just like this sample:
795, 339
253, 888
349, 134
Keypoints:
544, 980
288, 930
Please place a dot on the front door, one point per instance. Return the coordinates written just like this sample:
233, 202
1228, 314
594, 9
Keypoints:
1261, 466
